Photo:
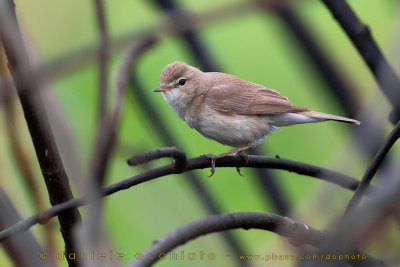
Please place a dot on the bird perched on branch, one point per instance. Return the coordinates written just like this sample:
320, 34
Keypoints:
230, 110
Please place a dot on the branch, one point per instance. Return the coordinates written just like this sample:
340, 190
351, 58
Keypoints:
192, 164
106, 137
297, 233
368, 216
36, 117
257, 162
103, 52
105, 142
361, 37
373, 168
164, 152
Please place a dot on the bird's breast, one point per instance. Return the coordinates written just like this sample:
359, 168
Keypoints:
181, 105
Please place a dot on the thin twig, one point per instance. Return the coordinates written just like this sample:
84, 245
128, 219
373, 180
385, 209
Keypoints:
192, 164
373, 168
297, 233
46, 150
361, 37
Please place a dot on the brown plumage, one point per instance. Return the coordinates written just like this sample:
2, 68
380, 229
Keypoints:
230, 110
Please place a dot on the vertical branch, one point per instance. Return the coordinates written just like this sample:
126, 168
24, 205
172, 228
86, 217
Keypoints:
47, 153
21, 158
104, 46
95, 168
101, 157
362, 39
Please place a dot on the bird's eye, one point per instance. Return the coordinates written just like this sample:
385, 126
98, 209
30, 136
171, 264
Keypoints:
182, 81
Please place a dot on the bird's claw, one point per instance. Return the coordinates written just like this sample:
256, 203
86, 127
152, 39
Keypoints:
243, 156
213, 160
246, 159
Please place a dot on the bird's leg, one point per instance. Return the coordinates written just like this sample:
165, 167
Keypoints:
237, 151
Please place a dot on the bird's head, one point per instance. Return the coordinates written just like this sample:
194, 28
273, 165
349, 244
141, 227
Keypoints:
179, 78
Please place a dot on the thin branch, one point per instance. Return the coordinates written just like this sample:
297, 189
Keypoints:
192, 164
179, 156
103, 52
106, 138
373, 168
361, 37
46, 150
272, 163
297, 233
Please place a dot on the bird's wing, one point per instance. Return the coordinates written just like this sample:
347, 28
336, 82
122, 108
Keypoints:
232, 95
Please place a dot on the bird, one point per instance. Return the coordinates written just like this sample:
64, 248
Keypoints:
230, 110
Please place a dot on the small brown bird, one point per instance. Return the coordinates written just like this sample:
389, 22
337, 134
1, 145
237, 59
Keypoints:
230, 110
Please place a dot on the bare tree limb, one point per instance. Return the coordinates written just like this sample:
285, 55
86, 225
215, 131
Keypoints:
297, 233
46, 150
373, 168
192, 164
361, 37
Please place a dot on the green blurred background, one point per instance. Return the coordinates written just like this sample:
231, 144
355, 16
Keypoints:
255, 46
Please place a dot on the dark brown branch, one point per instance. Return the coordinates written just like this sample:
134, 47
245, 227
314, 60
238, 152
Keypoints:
361, 37
46, 150
373, 168
297, 233
192, 164
23, 161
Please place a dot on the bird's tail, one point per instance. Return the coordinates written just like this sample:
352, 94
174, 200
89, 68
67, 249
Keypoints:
325, 116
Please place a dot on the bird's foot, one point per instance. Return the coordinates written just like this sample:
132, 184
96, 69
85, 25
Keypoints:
243, 156
213, 160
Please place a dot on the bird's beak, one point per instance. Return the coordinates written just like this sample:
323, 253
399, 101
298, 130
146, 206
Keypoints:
161, 89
